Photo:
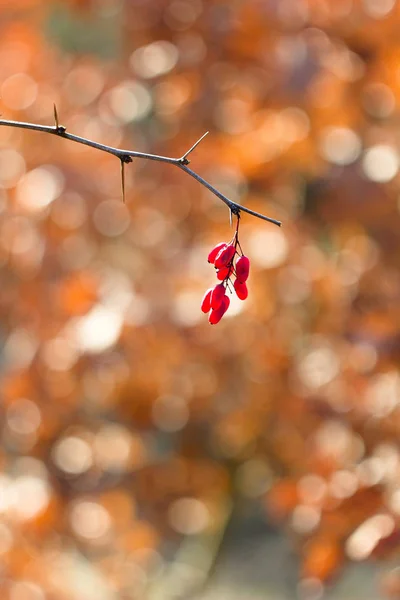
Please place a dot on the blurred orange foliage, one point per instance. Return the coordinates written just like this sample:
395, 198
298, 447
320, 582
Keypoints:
127, 422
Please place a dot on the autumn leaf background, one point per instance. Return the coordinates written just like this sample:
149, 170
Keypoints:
135, 436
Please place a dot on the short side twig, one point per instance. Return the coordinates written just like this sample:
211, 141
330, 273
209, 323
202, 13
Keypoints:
126, 156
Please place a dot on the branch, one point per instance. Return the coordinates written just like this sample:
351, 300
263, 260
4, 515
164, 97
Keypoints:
126, 156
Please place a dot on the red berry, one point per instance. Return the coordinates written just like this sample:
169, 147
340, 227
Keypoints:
206, 302
224, 273
224, 257
216, 315
241, 289
217, 293
242, 268
215, 251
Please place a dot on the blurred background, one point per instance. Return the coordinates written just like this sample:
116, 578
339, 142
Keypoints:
145, 454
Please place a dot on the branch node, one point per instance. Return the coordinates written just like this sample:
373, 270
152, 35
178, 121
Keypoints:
125, 158
235, 210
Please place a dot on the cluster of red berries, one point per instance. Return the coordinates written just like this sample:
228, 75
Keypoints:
222, 256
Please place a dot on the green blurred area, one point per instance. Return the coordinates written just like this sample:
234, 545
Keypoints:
98, 33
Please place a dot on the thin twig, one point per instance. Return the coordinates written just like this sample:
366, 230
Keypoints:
127, 155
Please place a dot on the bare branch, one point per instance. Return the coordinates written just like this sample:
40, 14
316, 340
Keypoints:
126, 156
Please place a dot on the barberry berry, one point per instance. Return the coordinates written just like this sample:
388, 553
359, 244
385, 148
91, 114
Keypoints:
216, 314
224, 256
241, 289
224, 273
217, 293
206, 302
242, 268
215, 251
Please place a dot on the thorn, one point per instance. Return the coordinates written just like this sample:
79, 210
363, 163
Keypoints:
59, 128
56, 117
123, 179
230, 217
183, 159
